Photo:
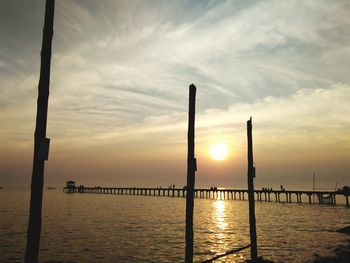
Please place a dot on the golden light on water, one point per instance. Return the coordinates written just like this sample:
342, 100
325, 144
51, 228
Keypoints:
219, 151
220, 214
222, 238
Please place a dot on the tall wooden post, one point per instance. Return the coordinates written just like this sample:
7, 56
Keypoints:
313, 187
251, 175
41, 143
191, 168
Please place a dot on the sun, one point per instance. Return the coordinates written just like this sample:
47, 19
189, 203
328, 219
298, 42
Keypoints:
219, 151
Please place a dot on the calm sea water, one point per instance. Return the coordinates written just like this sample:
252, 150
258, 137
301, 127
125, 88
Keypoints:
115, 228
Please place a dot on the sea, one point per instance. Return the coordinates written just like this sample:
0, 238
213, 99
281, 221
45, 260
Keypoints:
123, 228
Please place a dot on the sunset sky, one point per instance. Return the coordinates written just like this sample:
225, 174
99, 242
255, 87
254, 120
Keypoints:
119, 91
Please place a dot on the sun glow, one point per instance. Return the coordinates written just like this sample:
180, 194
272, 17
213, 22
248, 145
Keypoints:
219, 151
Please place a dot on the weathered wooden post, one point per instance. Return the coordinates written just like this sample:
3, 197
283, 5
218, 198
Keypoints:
191, 168
41, 143
251, 175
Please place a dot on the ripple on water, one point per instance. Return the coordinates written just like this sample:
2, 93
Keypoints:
109, 228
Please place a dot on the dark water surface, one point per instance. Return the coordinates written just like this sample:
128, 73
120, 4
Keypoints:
115, 228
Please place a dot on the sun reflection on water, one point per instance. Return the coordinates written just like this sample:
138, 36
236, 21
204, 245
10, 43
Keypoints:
224, 237
220, 215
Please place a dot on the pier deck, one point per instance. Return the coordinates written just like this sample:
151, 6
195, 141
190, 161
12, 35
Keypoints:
289, 196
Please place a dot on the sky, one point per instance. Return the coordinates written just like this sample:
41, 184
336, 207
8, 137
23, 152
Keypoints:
120, 72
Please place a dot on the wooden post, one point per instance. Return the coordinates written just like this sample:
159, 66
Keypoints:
41, 143
313, 187
251, 175
191, 168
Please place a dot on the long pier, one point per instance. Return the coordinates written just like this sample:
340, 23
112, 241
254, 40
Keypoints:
323, 197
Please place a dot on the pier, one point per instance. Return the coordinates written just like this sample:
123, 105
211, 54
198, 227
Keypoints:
292, 196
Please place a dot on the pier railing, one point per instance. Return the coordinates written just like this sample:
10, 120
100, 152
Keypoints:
289, 196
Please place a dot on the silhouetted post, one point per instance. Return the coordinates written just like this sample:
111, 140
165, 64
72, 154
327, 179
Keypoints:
251, 175
191, 168
41, 143
313, 187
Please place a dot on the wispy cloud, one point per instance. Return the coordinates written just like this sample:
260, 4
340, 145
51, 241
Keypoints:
306, 115
121, 69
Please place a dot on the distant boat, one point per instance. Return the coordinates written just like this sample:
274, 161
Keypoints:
50, 188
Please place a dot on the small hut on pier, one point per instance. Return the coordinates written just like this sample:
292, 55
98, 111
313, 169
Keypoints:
70, 186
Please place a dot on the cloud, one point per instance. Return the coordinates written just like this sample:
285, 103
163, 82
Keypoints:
121, 70
306, 117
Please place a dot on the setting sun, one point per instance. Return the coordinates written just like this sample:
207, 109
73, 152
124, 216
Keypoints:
219, 151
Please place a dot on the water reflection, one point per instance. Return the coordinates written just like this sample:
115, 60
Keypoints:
220, 215
221, 226
225, 237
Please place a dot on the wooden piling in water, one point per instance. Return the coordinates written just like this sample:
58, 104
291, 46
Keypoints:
251, 175
347, 200
41, 143
191, 167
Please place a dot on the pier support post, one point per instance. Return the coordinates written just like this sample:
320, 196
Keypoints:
251, 175
191, 168
41, 143
347, 200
